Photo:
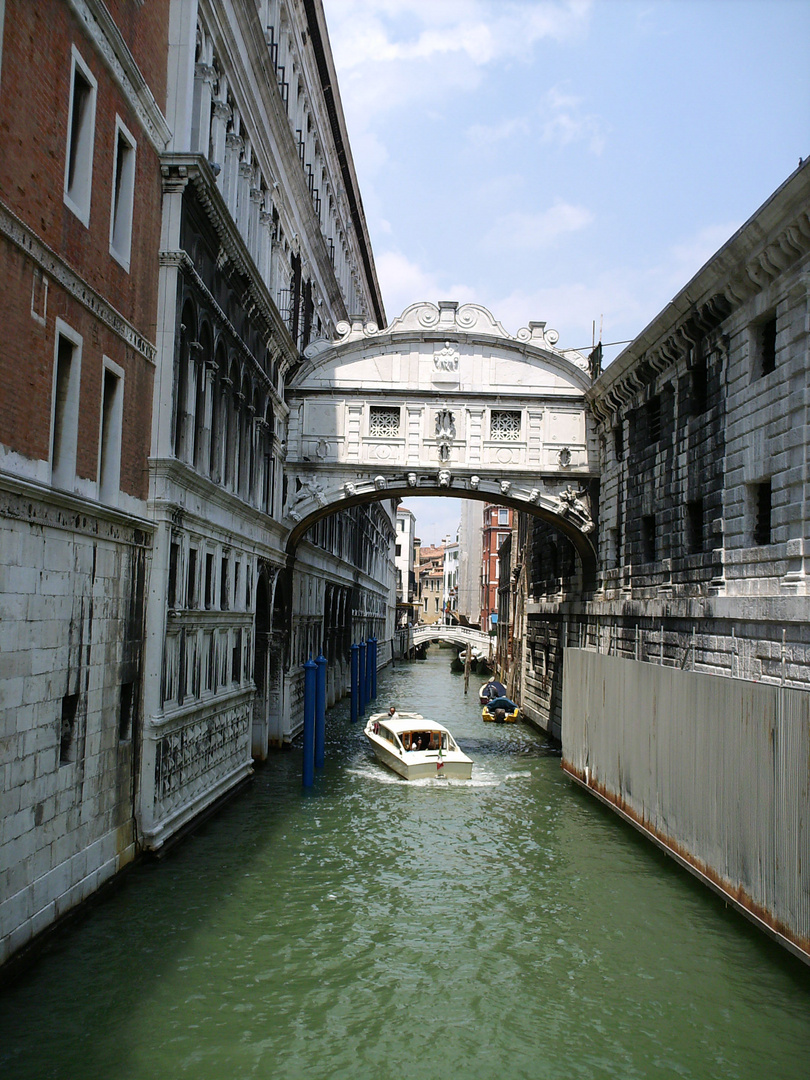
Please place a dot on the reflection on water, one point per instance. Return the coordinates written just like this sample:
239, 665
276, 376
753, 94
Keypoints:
505, 926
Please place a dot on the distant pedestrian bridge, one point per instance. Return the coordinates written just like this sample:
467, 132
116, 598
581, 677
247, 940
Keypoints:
442, 402
456, 635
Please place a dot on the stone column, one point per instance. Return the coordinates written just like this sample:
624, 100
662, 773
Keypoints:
220, 115
204, 75
230, 171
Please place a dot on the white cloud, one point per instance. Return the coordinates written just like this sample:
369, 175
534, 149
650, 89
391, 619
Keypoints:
445, 45
518, 230
563, 121
404, 282
482, 136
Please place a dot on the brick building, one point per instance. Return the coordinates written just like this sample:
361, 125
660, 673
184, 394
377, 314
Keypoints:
82, 97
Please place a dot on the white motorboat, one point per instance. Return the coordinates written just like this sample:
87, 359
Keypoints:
416, 748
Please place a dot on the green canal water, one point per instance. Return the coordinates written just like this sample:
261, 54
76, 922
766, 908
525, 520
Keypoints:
504, 927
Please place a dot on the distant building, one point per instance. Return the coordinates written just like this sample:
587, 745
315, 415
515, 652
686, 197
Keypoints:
404, 561
496, 529
470, 561
431, 582
450, 583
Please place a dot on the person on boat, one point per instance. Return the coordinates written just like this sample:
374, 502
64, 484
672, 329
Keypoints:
392, 712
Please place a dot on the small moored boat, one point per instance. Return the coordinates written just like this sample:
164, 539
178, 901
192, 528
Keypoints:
491, 689
500, 710
416, 748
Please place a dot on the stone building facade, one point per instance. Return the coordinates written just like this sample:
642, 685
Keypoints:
179, 217
264, 247
704, 437
82, 94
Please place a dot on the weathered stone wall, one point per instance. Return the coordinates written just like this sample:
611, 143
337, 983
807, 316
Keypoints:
71, 615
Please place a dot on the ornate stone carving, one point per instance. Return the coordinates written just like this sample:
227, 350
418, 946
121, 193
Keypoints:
505, 486
350, 488
564, 457
576, 504
444, 478
445, 432
411, 480
446, 359
474, 482
380, 483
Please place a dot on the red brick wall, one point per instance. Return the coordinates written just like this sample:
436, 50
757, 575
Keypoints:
34, 106
26, 376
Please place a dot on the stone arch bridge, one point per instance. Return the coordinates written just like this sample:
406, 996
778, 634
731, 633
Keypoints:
454, 634
442, 402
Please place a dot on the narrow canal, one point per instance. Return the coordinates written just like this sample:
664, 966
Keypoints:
504, 927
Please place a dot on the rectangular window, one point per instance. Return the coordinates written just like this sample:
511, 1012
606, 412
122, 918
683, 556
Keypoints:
65, 408
191, 579
126, 701
81, 134
504, 425
618, 441
383, 421
399, 550
648, 537
764, 346
174, 558
653, 416
209, 580
236, 656
762, 512
503, 515
123, 195
67, 735
109, 453
699, 380
694, 526
223, 584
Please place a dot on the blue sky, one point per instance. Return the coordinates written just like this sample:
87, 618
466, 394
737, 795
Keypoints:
573, 161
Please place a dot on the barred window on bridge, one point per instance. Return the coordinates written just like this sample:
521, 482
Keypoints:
504, 425
383, 421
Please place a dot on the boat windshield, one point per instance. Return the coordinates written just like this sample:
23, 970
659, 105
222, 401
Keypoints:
424, 740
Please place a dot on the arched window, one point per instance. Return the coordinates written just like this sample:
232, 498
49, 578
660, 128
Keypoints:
202, 433
188, 334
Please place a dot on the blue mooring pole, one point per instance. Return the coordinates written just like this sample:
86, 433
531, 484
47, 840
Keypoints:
361, 682
374, 670
308, 769
355, 680
320, 711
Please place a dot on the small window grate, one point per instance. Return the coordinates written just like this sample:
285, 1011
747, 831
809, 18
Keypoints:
383, 422
762, 522
505, 426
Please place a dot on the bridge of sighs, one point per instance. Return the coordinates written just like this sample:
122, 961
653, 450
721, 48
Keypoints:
442, 402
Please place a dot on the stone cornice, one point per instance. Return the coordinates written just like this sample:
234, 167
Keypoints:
55, 267
772, 240
42, 505
179, 169
113, 50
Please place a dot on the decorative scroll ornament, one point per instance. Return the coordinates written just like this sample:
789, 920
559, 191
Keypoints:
564, 457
